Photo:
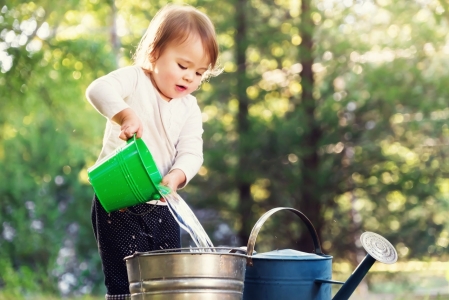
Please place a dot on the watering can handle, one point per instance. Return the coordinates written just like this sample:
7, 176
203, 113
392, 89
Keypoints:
264, 217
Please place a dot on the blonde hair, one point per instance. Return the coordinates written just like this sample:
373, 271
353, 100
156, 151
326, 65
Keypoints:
176, 23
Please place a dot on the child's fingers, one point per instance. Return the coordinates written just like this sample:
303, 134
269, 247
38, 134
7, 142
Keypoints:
139, 132
126, 133
122, 135
167, 181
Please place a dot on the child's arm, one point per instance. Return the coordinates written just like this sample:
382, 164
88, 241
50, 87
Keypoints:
130, 124
175, 179
108, 95
189, 147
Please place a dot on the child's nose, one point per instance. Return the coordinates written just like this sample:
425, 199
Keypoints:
188, 76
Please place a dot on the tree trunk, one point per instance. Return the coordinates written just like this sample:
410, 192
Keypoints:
115, 42
310, 193
243, 181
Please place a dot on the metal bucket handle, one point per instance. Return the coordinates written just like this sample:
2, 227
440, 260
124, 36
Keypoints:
265, 216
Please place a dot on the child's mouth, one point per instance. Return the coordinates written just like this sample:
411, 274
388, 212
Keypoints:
181, 88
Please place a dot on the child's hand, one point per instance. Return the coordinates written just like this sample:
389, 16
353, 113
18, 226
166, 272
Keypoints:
174, 179
130, 124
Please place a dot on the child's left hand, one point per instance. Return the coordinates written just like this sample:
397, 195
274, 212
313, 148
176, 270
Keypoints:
174, 179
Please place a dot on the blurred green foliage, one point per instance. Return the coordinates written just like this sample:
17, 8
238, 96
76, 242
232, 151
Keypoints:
378, 129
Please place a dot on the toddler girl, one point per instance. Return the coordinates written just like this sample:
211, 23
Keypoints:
153, 100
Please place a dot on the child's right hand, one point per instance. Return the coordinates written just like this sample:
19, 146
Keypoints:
130, 124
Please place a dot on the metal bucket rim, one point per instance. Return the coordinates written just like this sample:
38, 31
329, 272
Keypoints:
183, 251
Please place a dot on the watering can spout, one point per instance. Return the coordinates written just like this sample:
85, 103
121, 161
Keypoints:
379, 249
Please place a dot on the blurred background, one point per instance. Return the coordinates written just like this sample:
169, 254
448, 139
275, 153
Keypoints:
338, 108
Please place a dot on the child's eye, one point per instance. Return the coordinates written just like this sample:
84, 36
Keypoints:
199, 74
182, 67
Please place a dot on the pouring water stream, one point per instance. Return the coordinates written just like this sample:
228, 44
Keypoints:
186, 218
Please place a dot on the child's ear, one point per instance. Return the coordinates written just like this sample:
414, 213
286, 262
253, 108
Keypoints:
153, 56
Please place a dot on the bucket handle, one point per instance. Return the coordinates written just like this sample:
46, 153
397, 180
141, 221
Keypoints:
265, 216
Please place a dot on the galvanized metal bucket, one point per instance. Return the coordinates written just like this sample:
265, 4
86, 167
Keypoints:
187, 274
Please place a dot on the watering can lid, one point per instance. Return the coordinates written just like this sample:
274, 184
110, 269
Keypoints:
289, 254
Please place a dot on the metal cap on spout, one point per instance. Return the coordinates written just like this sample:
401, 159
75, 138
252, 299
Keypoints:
379, 249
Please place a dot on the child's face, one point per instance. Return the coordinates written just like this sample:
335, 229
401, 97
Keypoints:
179, 69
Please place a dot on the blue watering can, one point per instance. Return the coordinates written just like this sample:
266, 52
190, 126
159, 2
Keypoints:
292, 275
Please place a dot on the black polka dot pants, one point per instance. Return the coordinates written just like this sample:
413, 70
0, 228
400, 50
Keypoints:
120, 234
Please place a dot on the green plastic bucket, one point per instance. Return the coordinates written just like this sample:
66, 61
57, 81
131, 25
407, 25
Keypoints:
126, 177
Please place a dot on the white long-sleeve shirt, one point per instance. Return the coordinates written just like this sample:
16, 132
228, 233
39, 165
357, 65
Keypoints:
172, 130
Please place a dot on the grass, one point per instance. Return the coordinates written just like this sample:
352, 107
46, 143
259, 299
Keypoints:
406, 281
401, 281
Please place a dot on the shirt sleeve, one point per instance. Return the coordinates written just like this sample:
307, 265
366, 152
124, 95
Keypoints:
108, 94
189, 149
